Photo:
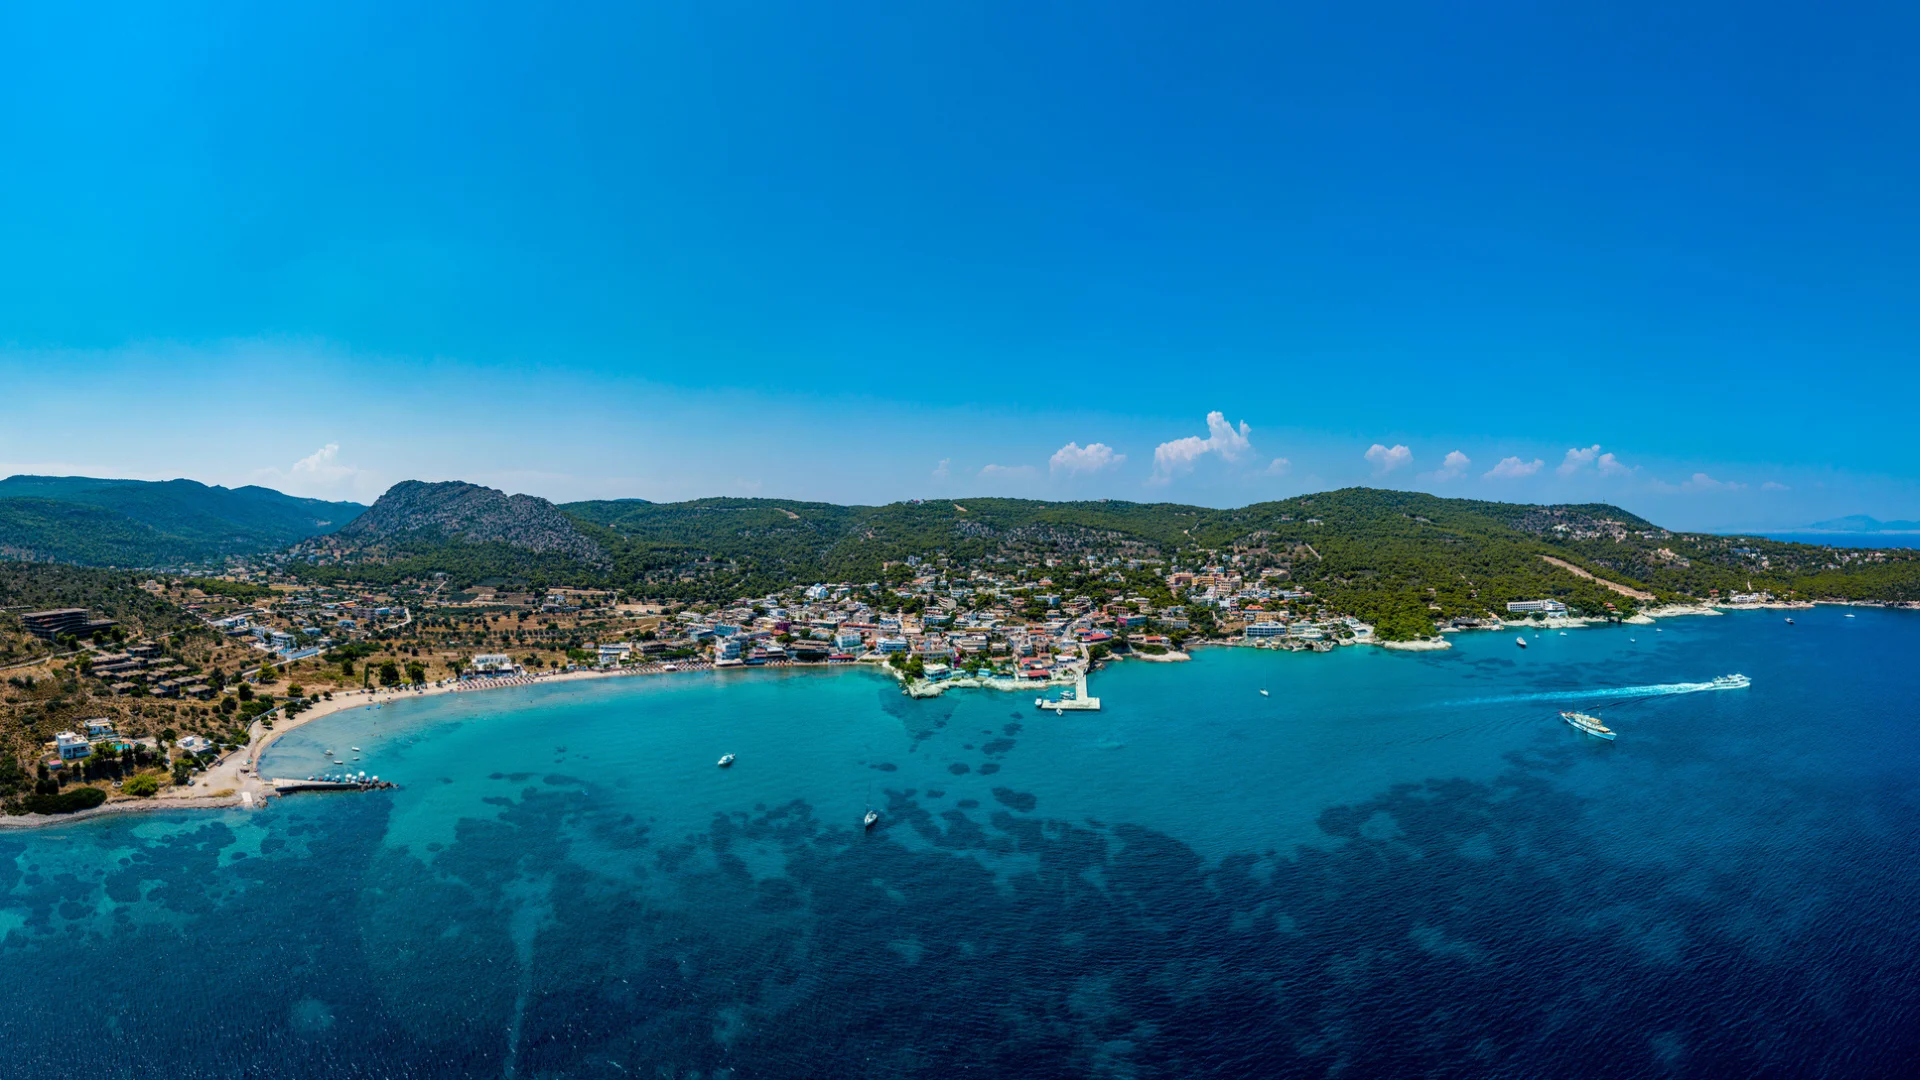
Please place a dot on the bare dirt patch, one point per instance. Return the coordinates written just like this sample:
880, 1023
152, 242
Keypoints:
1603, 582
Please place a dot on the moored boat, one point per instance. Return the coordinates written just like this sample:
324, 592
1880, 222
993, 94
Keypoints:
726, 760
1521, 641
872, 818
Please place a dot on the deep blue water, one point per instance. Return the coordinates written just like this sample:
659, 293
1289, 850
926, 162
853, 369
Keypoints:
1397, 864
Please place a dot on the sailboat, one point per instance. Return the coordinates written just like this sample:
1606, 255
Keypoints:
872, 818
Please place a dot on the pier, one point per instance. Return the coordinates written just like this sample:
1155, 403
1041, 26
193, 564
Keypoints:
285, 786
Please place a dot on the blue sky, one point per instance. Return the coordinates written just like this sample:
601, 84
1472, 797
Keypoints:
871, 251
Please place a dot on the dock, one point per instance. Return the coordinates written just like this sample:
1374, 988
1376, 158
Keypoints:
1081, 701
285, 786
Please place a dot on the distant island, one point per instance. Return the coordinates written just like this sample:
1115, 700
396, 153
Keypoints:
1861, 523
160, 625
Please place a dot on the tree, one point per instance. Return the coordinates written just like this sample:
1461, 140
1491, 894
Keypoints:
142, 785
389, 673
416, 672
245, 691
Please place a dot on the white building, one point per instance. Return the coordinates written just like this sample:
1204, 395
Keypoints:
71, 746
1551, 608
490, 663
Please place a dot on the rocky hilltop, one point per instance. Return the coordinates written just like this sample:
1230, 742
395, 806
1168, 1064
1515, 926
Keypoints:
414, 512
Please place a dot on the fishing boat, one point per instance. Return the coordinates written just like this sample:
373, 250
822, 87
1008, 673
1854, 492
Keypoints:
726, 760
872, 819
1521, 641
1589, 724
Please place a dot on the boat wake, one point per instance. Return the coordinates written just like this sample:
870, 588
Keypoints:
1724, 682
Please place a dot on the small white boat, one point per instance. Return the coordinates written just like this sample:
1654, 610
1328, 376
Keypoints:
726, 760
1521, 641
355, 749
872, 819
1789, 620
1563, 633
1263, 692
1848, 615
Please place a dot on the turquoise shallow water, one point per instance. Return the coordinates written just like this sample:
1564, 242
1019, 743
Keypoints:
1394, 864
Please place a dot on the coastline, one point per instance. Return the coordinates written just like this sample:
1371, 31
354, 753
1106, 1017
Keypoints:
231, 782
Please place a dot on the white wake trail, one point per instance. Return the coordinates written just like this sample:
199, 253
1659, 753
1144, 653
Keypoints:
1725, 682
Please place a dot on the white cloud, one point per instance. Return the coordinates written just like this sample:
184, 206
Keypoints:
1178, 456
1008, 472
1453, 466
320, 474
1074, 458
323, 467
1613, 466
940, 471
1512, 468
1578, 458
1774, 485
1280, 467
1702, 482
1386, 459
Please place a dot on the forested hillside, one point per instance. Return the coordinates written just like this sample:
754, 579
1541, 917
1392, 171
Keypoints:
90, 521
1402, 560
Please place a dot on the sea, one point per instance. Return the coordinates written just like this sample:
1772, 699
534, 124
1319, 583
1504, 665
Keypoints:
1390, 864
1840, 539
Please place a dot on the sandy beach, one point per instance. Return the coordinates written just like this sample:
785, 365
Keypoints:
231, 780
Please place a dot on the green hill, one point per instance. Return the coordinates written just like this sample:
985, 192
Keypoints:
90, 521
1402, 560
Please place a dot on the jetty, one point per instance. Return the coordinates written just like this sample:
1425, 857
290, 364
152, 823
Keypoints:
1080, 701
284, 786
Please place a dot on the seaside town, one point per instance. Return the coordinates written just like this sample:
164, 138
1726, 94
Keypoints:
263, 647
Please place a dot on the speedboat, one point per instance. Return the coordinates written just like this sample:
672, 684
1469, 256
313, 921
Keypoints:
1521, 641
1589, 724
726, 760
872, 818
